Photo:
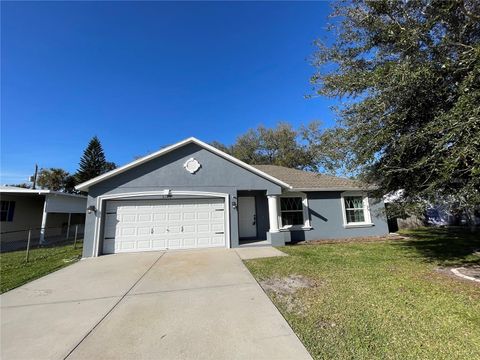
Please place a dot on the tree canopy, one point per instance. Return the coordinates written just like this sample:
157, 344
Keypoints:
93, 162
408, 73
282, 145
56, 179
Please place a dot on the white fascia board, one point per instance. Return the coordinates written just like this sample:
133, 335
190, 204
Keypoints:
329, 189
39, 192
26, 191
55, 193
84, 186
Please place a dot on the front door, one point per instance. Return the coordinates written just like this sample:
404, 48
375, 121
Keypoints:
247, 217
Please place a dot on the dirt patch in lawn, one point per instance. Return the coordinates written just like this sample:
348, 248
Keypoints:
288, 285
284, 289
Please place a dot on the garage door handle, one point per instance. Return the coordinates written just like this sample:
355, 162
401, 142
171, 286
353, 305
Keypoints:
151, 231
181, 229
219, 232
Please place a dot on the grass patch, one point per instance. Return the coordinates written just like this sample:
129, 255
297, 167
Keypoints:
14, 271
380, 299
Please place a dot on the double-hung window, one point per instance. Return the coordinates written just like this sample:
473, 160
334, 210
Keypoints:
6, 210
355, 210
294, 211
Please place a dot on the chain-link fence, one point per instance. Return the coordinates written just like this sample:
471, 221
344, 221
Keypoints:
34, 238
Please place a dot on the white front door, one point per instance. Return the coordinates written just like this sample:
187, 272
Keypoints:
247, 217
146, 225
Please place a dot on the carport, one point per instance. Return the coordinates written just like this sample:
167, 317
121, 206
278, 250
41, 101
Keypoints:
42, 211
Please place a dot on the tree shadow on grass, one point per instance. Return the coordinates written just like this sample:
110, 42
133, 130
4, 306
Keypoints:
445, 246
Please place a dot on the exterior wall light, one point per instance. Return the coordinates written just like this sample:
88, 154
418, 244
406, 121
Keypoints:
91, 209
234, 202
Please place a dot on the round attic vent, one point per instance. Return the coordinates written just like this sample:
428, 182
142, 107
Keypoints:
192, 165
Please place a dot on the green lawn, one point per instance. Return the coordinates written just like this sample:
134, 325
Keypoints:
380, 300
14, 271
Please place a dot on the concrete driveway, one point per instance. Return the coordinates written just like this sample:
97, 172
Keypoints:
200, 304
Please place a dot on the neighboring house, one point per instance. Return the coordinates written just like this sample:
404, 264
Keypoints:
47, 213
192, 195
440, 213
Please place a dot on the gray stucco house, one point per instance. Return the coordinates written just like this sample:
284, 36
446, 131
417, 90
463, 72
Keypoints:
192, 195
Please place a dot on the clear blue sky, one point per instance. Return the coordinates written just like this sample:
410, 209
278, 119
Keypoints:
144, 75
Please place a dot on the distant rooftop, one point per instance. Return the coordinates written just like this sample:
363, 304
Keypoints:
19, 190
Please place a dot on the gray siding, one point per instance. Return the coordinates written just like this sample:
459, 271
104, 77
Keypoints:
325, 211
167, 172
27, 215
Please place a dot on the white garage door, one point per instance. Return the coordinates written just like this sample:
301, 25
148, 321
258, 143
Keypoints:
146, 225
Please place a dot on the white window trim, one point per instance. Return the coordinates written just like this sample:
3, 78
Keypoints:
306, 219
366, 210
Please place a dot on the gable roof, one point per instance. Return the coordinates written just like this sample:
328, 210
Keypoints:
306, 180
191, 140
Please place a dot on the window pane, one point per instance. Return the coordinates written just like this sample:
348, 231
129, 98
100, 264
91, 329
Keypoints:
292, 218
355, 216
3, 211
353, 202
11, 209
291, 203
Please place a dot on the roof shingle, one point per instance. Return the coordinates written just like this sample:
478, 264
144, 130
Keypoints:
300, 179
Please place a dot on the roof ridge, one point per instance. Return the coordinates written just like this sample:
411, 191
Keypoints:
315, 173
307, 179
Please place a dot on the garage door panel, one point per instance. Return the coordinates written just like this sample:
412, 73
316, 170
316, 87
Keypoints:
203, 241
203, 228
144, 244
217, 240
159, 243
189, 215
189, 242
217, 227
174, 216
174, 229
189, 229
126, 218
174, 243
125, 245
162, 229
144, 230
144, 217
128, 231
217, 215
159, 216
203, 215
144, 225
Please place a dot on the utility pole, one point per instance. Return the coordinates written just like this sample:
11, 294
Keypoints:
34, 177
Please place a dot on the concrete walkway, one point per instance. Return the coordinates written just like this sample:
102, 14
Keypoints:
200, 304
